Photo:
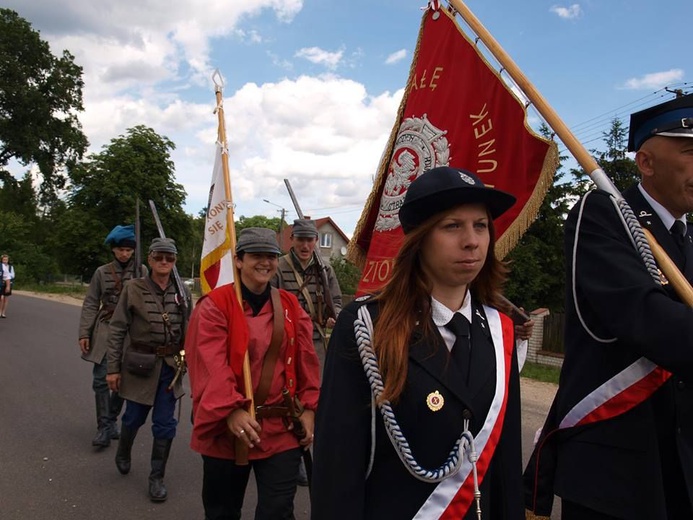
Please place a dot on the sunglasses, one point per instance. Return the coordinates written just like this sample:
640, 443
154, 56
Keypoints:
160, 257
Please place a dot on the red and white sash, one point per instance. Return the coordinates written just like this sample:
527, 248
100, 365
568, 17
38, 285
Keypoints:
453, 496
624, 391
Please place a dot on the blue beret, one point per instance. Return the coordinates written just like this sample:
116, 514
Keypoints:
121, 236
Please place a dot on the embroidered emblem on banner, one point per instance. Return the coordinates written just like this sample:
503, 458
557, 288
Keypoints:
419, 146
435, 401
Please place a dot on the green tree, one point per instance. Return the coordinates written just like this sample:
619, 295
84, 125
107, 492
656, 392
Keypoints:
40, 96
537, 262
622, 170
274, 223
104, 192
348, 275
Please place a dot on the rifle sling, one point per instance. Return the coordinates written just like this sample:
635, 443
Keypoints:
303, 289
270, 361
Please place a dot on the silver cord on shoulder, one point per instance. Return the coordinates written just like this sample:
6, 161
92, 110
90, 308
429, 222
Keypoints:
637, 238
363, 328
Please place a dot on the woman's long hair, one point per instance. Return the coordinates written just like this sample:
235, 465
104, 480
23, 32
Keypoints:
405, 303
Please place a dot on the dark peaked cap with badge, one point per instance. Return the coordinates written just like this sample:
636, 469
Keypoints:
671, 119
443, 188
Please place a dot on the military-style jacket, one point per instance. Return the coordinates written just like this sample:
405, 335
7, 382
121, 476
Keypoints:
635, 461
138, 321
286, 279
99, 303
378, 485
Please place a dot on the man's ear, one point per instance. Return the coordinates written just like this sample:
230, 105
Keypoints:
644, 159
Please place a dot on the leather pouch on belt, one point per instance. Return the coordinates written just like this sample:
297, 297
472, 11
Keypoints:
139, 363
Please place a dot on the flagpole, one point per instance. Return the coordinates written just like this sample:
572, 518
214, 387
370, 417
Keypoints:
588, 163
241, 447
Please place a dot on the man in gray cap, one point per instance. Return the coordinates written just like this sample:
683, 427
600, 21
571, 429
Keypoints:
98, 306
300, 273
618, 442
145, 360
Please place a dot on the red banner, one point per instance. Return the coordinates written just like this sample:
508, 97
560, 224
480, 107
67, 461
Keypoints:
456, 111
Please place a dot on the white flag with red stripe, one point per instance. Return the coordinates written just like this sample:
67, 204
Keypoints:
216, 267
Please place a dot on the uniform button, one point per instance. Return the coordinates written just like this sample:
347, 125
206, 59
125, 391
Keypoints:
681, 385
466, 414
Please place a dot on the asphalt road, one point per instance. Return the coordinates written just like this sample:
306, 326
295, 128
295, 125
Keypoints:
48, 468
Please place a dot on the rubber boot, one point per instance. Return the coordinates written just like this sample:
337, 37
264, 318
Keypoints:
160, 450
115, 406
103, 435
122, 458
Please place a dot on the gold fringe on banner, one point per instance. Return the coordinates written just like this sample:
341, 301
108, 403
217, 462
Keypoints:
510, 238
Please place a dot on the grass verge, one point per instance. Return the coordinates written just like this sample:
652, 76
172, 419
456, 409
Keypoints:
76, 291
543, 373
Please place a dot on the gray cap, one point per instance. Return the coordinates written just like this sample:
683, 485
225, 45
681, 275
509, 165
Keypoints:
163, 245
304, 228
258, 240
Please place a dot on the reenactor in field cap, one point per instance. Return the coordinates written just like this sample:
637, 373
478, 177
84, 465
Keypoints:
145, 360
97, 309
276, 332
618, 442
299, 273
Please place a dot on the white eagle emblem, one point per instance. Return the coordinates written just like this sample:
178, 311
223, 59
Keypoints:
419, 146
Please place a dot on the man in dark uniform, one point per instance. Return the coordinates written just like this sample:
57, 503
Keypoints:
145, 362
618, 441
97, 309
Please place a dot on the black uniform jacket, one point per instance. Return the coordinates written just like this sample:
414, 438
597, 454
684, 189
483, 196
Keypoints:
637, 465
342, 449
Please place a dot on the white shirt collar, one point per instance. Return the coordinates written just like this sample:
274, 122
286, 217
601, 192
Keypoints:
442, 315
663, 213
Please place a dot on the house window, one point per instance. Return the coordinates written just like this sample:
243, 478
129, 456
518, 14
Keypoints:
326, 240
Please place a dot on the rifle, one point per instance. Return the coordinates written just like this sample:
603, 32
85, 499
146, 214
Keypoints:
138, 251
322, 268
180, 288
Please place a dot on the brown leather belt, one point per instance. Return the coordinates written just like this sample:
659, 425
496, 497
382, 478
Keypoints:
265, 412
160, 351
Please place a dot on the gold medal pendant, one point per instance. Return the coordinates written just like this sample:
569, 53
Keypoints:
435, 401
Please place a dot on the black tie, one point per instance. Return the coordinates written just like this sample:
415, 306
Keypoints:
678, 231
459, 326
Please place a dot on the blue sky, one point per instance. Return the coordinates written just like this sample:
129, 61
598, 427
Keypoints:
312, 86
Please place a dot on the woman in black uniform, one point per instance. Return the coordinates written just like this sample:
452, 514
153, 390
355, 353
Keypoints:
419, 412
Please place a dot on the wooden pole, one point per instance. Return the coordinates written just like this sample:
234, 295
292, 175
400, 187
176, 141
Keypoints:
589, 164
241, 447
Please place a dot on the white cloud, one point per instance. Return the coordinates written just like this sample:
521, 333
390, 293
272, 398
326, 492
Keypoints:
654, 80
567, 13
321, 57
396, 57
145, 61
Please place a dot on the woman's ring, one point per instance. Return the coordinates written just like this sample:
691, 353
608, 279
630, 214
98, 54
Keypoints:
241, 431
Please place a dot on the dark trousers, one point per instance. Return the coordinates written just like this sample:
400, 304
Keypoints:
163, 417
224, 484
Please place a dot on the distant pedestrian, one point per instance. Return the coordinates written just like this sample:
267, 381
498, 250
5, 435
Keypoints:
6, 282
99, 303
